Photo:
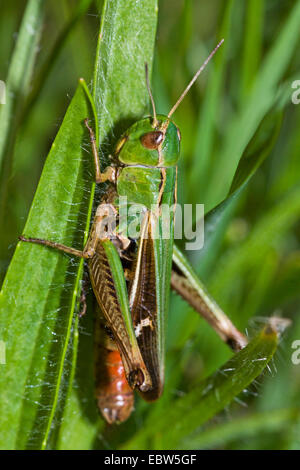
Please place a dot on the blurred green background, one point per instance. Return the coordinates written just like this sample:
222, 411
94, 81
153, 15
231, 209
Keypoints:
253, 267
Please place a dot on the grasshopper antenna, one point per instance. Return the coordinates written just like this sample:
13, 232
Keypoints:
194, 78
150, 95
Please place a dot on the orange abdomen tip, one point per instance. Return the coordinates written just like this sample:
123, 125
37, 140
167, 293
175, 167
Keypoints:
114, 395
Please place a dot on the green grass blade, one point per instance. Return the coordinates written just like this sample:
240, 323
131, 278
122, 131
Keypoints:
40, 80
121, 97
77, 428
38, 296
214, 394
244, 427
254, 155
17, 86
126, 42
20, 71
39, 293
260, 101
251, 56
206, 121
267, 234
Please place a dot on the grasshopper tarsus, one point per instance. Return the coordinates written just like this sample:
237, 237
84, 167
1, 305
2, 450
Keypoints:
237, 344
24, 239
91, 132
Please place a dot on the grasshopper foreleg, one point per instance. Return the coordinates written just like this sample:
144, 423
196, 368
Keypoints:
89, 249
86, 253
110, 173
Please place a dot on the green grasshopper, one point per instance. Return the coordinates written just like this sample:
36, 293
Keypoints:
131, 276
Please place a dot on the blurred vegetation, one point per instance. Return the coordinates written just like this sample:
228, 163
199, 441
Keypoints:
252, 266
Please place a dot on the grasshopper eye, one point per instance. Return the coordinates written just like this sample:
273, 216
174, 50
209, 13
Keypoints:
152, 140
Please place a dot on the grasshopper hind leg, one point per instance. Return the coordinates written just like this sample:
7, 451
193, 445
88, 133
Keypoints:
185, 282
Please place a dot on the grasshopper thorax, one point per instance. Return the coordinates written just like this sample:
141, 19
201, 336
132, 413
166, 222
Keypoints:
149, 142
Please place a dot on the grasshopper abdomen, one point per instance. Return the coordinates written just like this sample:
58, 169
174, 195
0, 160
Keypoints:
115, 397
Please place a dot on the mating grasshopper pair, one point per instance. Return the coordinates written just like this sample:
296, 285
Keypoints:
131, 276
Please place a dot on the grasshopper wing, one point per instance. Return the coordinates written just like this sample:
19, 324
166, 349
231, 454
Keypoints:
149, 294
109, 285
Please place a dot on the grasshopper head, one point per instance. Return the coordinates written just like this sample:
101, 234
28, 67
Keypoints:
155, 141
150, 142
